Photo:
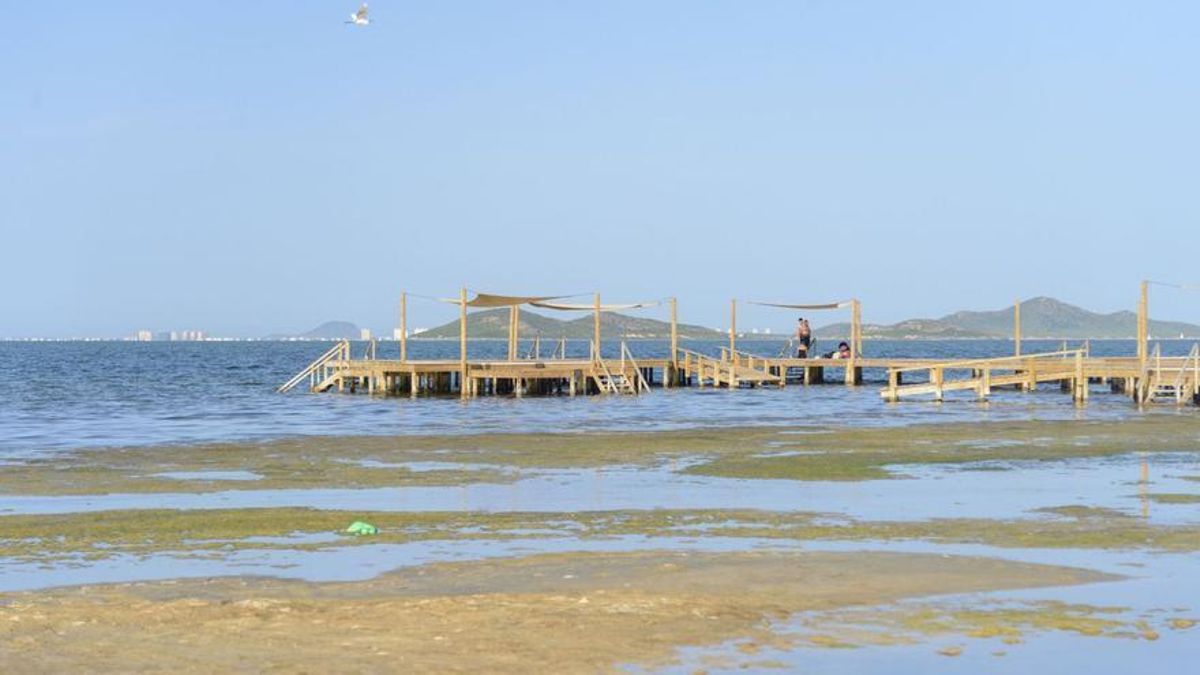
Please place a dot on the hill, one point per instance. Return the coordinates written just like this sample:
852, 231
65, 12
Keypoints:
493, 323
1041, 317
330, 330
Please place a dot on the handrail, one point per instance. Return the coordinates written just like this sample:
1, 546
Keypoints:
642, 385
1192, 360
598, 362
334, 351
959, 365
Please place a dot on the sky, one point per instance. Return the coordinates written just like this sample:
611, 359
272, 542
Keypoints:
259, 167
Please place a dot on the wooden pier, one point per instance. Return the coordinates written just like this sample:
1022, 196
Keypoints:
1145, 377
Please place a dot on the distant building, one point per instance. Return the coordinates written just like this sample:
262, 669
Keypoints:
144, 336
183, 336
365, 334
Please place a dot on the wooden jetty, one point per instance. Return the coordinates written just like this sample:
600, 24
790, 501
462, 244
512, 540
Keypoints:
1145, 377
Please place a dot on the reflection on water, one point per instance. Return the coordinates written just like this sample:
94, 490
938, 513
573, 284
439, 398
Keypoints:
102, 394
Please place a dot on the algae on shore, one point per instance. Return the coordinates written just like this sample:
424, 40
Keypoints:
104, 534
1007, 622
747, 452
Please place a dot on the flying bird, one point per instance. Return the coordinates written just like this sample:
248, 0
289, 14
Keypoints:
359, 18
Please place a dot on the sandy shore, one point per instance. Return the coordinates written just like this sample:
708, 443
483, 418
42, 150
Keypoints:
551, 613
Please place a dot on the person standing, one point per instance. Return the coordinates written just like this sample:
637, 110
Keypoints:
803, 338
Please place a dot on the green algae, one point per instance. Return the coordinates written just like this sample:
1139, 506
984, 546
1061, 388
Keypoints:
1173, 498
95, 474
795, 453
1080, 512
103, 534
1015, 622
1007, 623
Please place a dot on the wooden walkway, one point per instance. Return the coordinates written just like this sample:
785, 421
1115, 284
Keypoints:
1158, 378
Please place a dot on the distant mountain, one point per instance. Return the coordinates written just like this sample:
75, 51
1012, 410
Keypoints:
1040, 318
493, 323
330, 330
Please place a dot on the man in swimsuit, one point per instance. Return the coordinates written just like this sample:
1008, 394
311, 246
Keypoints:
804, 337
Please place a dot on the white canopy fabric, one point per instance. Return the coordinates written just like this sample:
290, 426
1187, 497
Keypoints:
826, 305
492, 300
567, 307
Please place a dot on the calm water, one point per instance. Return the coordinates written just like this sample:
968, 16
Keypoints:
70, 395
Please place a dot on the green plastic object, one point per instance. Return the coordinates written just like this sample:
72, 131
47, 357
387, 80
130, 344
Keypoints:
360, 528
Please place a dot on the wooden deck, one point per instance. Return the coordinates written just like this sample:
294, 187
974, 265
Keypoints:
1157, 378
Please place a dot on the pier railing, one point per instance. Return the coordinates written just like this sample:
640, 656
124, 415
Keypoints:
639, 379
1025, 370
315, 370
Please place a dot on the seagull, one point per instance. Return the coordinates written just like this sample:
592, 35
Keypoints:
359, 18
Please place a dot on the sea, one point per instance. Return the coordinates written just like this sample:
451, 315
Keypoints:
70, 395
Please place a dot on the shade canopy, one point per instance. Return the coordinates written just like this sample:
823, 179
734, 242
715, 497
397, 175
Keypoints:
786, 305
492, 300
569, 307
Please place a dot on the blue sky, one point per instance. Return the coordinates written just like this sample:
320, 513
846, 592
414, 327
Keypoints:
253, 167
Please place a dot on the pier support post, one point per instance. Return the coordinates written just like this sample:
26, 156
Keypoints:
853, 374
985, 384
1081, 381
814, 374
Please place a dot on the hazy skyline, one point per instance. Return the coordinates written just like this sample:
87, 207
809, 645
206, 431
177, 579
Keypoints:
267, 169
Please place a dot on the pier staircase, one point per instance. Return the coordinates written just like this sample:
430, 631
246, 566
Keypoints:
323, 373
618, 376
1170, 380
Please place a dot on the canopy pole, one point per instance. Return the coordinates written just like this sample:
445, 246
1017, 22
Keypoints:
1017, 328
462, 342
732, 325
403, 327
596, 325
1143, 323
674, 335
514, 319
856, 327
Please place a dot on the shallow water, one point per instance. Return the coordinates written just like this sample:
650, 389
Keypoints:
72, 395
1157, 586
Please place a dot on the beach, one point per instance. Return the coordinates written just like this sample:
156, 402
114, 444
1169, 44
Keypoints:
675, 550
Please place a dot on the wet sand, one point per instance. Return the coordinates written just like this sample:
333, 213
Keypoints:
556, 613
585, 552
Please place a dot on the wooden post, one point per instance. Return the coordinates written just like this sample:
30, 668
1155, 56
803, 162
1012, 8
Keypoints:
856, 328
403, 327
1143, 324
935, 376
674, 335
596, 324
462, 342
514, 319
1017, 328
985, 384
733, 324
1081, 382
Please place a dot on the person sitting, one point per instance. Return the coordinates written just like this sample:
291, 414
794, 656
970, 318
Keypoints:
843, 352
804, 338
